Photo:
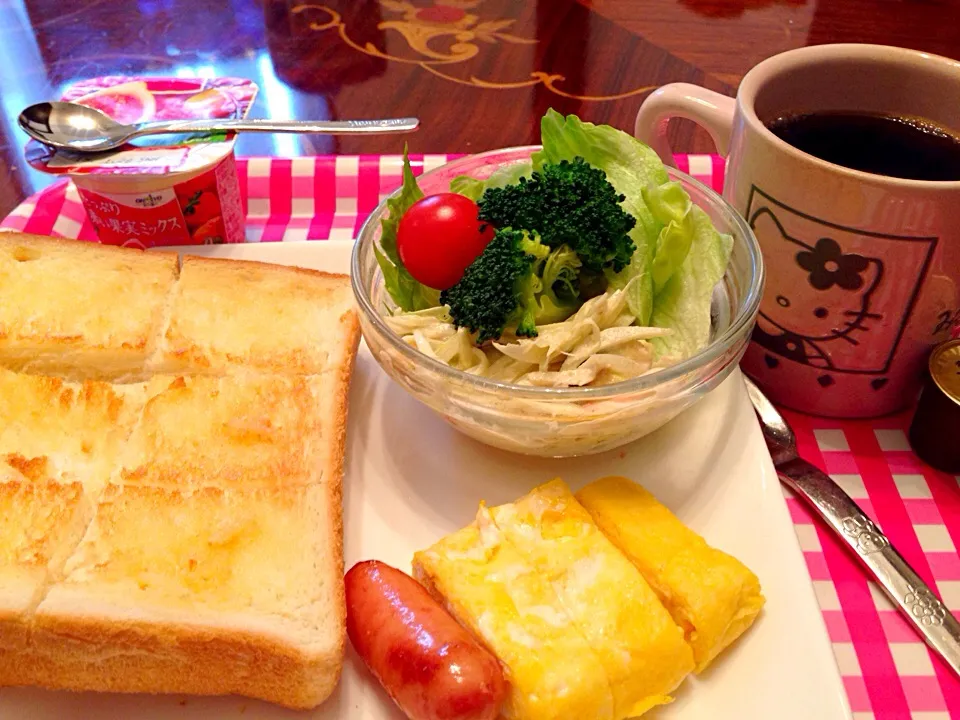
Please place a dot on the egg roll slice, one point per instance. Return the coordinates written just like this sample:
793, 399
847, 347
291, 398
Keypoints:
489, 588
711, 595
639, 645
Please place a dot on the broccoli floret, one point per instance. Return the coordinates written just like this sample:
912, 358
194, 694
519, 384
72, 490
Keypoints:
560, 296
567, 203
516, 282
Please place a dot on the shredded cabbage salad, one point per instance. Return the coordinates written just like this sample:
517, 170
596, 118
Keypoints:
614, 323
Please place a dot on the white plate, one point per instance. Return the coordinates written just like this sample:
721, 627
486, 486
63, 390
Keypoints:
410, 479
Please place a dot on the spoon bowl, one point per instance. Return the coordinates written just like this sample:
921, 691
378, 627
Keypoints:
82, 129
72, 126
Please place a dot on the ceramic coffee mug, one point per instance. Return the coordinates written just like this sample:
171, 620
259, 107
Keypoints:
863, 270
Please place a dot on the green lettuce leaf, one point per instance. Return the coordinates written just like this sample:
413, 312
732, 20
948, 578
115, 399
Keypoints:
630, 166
468, 187
406, 292
683, 304
507, 175
670, 205
637, 279
668, 202
673, 244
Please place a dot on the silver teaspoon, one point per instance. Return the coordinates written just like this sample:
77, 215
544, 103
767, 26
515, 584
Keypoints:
907, 590
75, 127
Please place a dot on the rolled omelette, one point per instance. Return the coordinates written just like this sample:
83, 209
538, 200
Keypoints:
711, 595
605, 598
552, 672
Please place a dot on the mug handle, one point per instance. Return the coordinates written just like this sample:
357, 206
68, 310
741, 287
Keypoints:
709, 109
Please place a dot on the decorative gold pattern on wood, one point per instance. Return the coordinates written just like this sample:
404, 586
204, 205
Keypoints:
420, 27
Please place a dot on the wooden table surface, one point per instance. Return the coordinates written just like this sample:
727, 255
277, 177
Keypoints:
479, 73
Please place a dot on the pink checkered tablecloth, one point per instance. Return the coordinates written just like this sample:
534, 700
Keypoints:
888, 672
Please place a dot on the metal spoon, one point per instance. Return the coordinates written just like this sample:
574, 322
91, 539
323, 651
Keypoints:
907, 590
75, 127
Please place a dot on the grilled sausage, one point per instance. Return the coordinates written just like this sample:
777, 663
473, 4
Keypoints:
430, 665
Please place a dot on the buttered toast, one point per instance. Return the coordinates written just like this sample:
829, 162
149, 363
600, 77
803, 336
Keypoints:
43, 518
179, 531
81, 310
205, 589
282, 321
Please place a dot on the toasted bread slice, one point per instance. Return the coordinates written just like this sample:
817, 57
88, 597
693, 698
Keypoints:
710, 594
238, 431
80, 310
640, 647
208, 501
43, 518
198, 591
78, 428
229, 313
509, 606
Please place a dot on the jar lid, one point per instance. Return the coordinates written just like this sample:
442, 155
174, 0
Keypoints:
933, 431
945, 369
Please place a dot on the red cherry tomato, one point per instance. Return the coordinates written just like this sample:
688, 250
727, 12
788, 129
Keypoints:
439, 236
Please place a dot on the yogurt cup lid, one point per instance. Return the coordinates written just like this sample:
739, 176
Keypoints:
132, 99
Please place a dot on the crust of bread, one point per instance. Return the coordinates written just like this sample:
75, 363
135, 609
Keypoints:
104, 651
80, 310
332, 394
332, 391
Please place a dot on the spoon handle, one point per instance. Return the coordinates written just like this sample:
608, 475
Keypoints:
907, 590
327, 127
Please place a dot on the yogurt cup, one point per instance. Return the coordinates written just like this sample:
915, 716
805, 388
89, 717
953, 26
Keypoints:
183, 192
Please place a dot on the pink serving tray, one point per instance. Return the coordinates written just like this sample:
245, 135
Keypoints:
887, 671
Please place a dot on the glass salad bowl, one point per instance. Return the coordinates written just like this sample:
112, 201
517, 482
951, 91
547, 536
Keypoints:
563, 422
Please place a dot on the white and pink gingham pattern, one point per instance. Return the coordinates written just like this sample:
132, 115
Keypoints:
888, 672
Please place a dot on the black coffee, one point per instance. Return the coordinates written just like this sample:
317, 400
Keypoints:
891, 145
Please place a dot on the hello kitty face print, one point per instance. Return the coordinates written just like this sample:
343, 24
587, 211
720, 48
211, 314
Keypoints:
836, 300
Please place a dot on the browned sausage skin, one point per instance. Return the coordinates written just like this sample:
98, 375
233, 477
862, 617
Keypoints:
430, 665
